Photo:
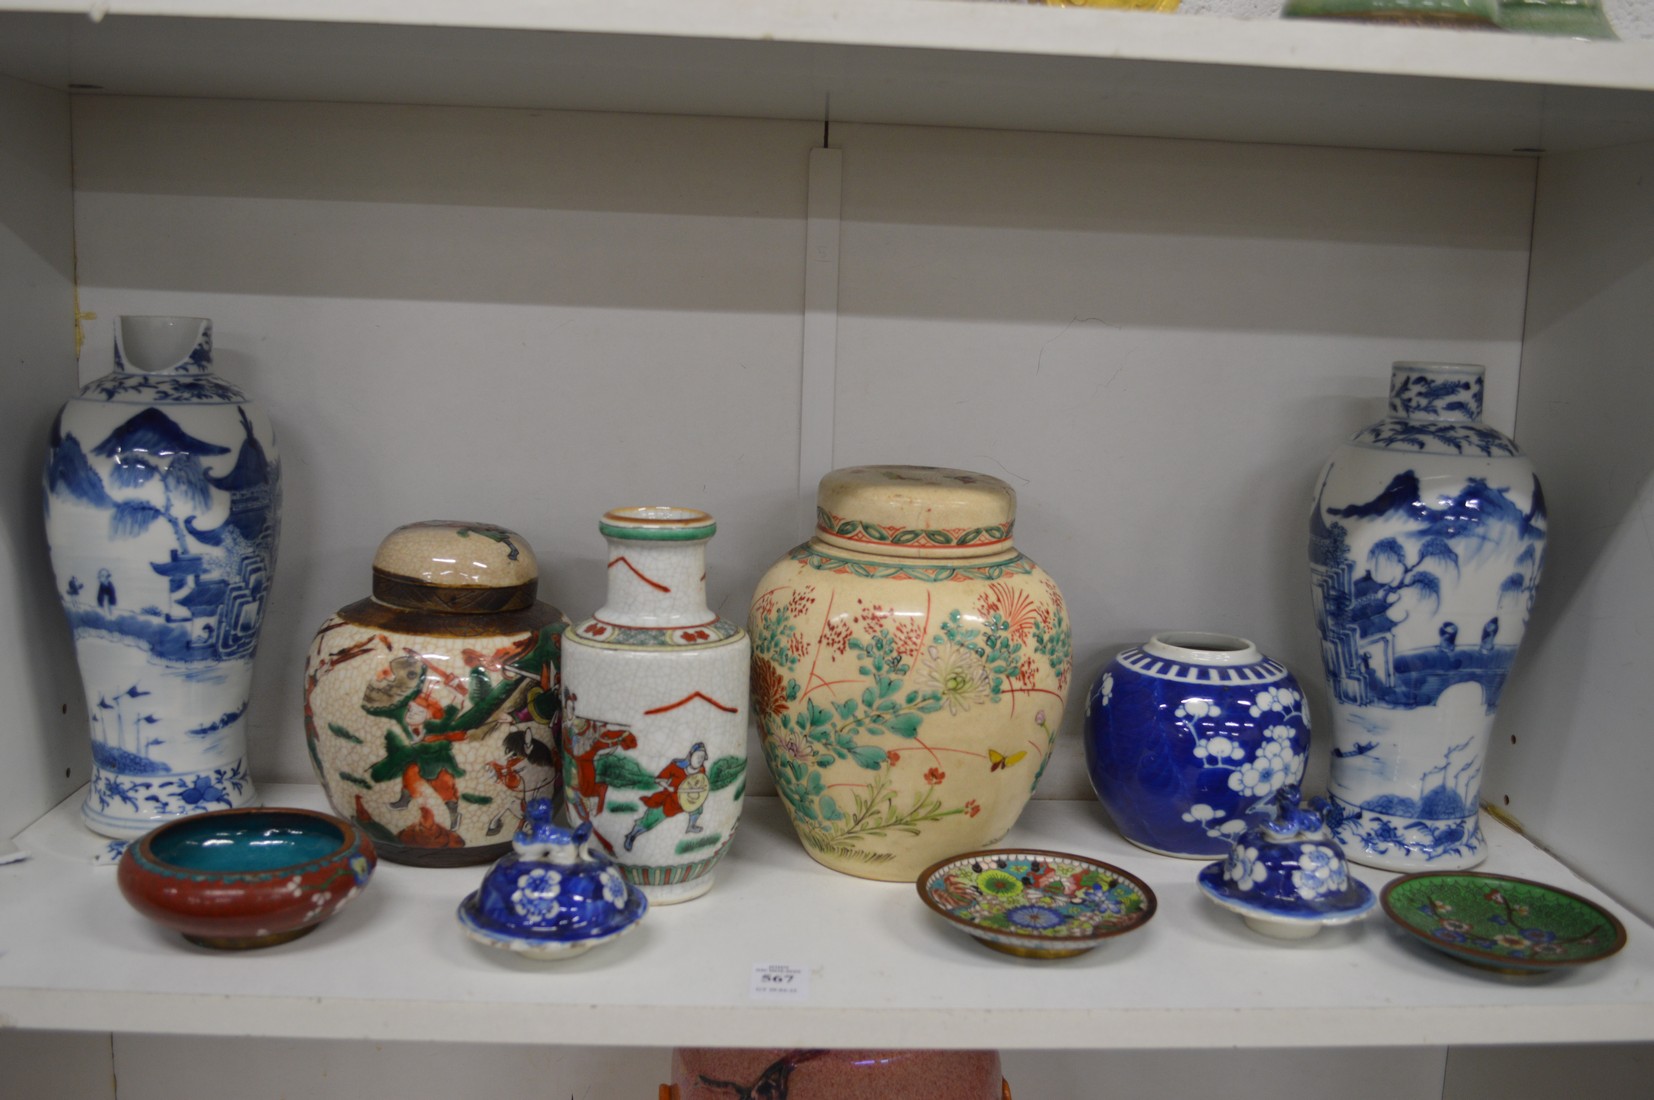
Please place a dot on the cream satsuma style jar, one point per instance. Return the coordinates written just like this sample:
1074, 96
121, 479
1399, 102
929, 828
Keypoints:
910, 670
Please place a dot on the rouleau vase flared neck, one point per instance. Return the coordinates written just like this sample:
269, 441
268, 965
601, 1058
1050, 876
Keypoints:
656, 567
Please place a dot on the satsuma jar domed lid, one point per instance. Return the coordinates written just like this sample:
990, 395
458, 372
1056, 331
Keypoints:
456, 566
915, 511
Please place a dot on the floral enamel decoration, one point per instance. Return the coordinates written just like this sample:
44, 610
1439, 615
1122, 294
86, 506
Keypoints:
1513, 925
909, 670
1036, 904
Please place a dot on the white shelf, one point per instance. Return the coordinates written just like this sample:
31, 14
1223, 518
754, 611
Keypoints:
940, 62
885, 972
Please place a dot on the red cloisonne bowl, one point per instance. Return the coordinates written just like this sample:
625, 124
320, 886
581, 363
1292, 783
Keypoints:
250, 877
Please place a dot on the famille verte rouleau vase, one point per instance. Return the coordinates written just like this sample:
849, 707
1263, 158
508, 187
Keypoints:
655, 708
431, 707
1188, 739
163, 493
1426, 543
910, 669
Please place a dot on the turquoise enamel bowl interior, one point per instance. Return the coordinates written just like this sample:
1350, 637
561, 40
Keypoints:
260, 840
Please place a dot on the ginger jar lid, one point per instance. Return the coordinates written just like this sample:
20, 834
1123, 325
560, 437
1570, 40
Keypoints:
455, 566
915, 511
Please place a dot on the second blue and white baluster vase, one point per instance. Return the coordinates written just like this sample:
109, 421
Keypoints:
163, 493
1426, 544
655, 708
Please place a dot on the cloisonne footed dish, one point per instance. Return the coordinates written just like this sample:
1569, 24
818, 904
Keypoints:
1036, 904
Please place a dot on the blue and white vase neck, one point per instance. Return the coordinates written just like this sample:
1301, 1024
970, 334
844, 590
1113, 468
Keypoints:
1436, 409
1436, 391
163, 345
163, 361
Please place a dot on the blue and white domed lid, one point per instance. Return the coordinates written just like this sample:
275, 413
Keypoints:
553, 887
1288, 866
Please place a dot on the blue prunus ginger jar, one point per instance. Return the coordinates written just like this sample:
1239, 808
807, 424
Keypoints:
1426, 541
1188, 739
162, 499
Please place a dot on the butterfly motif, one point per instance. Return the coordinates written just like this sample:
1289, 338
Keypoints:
998, 761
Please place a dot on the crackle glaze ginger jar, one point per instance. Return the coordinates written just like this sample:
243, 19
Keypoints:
431, 707
163, 502
1427, 537
910, 669
655, 707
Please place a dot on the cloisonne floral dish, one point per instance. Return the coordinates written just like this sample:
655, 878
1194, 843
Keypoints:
1037, 904
247, 877
1287, 877
1512, 925
551, 897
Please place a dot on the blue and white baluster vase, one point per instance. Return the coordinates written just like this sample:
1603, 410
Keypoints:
1426, 544
655, 708
163, 494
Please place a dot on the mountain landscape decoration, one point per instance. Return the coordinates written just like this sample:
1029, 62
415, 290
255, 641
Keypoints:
217, 576
1400, 579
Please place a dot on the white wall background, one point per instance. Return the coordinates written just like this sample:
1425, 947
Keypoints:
519, 316
1580, 711
37, 365
530, 317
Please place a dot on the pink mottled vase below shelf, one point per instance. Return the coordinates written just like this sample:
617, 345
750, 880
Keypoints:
910, 670
707, 1074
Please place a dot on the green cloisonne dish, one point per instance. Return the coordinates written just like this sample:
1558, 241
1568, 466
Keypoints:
1036, 904
1508, 924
